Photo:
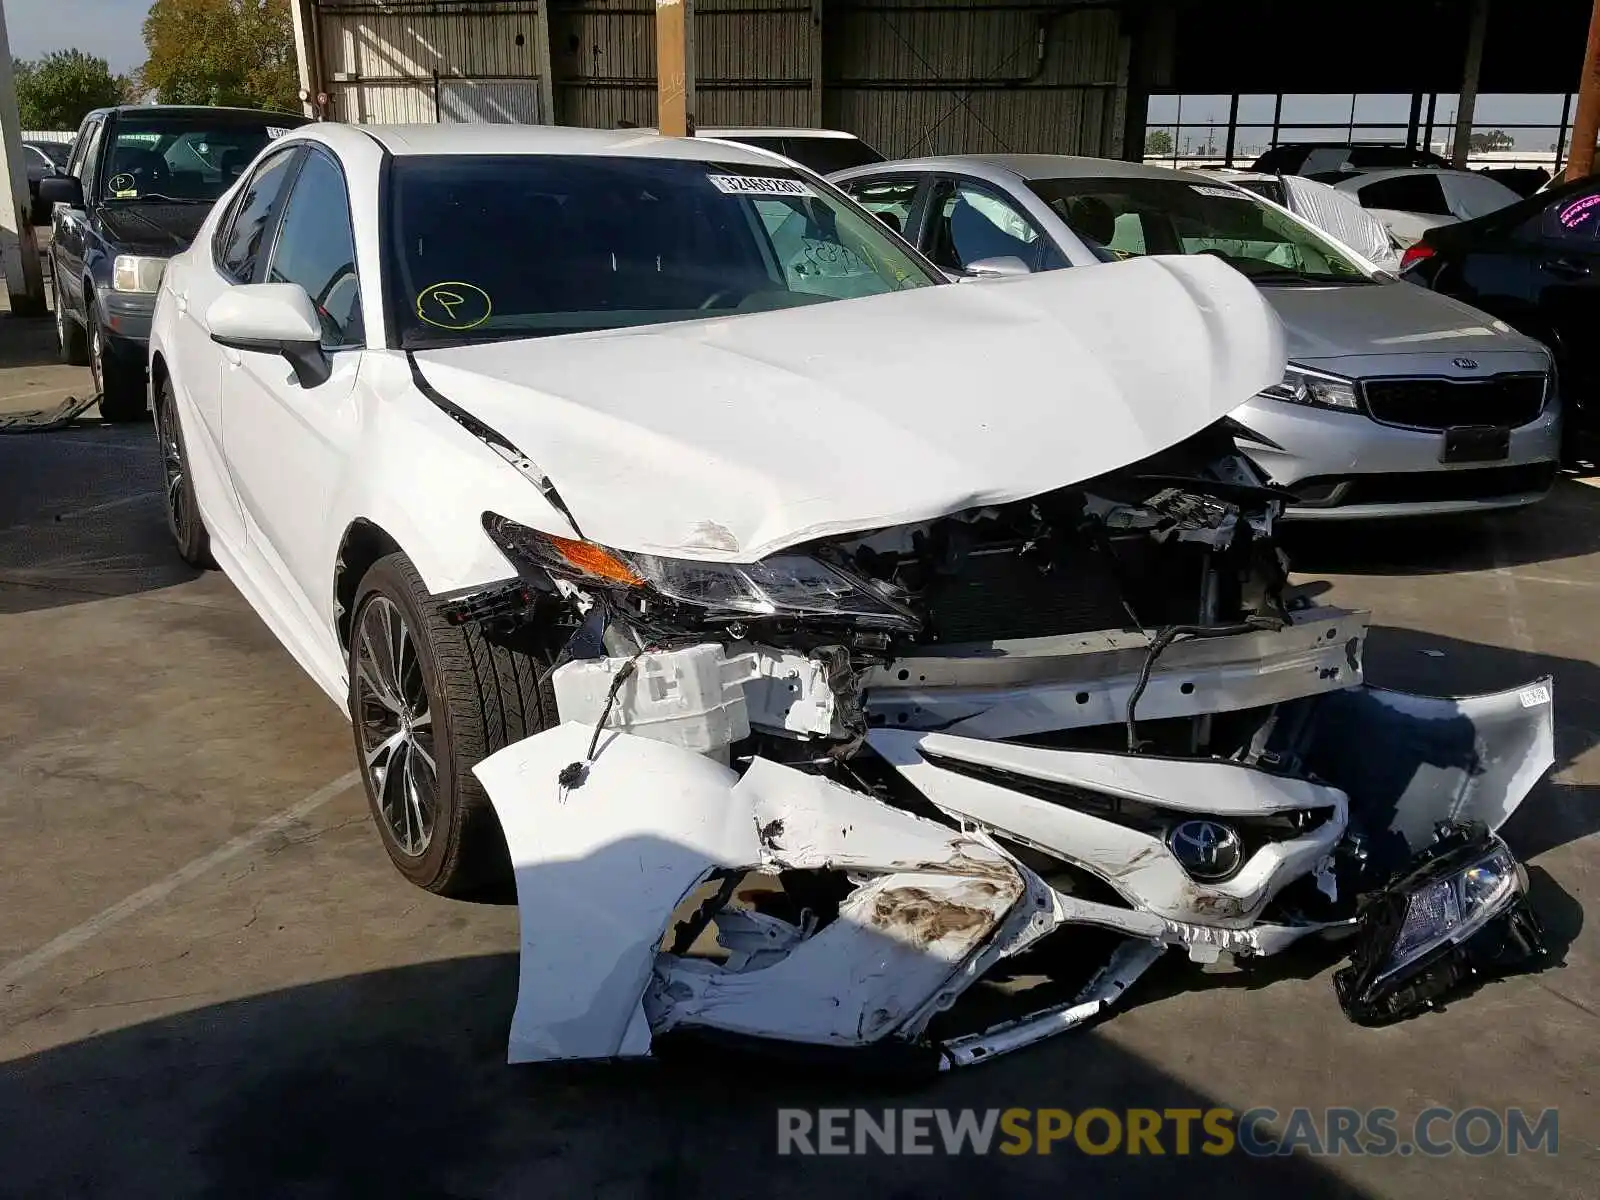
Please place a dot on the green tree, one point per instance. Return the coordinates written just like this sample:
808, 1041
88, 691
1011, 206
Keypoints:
221, 52
1158, 143
54, 92
1494, 139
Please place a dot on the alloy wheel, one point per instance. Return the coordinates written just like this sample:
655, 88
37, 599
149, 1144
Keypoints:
97, 358
396, 726
172, 467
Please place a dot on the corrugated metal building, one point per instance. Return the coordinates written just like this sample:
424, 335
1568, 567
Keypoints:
908, 76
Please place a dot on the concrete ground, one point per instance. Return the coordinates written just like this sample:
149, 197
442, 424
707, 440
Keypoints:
212, 983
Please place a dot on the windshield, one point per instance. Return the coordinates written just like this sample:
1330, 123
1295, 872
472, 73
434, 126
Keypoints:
540, 245
1126, 218
187, 159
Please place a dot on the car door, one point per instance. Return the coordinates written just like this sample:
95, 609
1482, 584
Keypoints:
968, 221
235, 255
1565, 239
286, 443
70, 226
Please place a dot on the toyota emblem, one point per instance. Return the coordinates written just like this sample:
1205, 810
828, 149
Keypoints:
1208, 850
1466, 364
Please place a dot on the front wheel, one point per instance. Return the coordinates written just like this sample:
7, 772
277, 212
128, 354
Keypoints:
70, 341
119, 382
428, 701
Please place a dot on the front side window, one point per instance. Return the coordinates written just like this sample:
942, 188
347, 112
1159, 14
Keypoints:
971, 224
184, 157
242, 245
316, 248
1126, 218
590, 242
91, 155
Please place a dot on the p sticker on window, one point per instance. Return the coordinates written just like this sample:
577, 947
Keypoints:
1225, 193
759, 185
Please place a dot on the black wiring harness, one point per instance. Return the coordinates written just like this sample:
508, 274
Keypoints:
1168, 634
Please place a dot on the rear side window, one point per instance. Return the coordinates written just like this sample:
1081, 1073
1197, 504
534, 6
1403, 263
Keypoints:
889, 200
1406, 193
827, 155
243, 243
316, 248
1572, 218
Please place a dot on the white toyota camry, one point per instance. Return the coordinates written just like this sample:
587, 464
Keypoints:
662, 521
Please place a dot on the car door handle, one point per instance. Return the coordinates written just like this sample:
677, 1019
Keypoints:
181, 301
1566, 267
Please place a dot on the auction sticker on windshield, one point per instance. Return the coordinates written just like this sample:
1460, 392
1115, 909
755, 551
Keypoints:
1225, 193
759, 185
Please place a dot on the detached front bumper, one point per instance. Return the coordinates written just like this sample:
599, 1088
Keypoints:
662, 889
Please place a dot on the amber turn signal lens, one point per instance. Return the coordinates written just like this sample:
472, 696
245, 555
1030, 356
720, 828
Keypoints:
594, 561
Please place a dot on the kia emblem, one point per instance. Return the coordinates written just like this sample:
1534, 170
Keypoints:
1466, 364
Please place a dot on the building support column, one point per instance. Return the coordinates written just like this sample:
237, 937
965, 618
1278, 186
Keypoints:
1586, 121
19, 249
672, 67
1469, 83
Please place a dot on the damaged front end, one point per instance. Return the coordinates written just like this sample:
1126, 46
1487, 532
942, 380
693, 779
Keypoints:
818, 797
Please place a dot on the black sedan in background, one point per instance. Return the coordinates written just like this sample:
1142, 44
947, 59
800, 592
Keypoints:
137, 186
42, 160
1535, 265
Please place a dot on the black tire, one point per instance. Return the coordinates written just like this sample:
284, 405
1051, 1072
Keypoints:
71, 342
480, 694
183, 511
119, 382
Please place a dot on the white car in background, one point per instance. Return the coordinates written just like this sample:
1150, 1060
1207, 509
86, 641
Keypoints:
668, 528
1410, 201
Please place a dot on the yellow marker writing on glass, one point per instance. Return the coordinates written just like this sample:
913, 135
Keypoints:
453, 304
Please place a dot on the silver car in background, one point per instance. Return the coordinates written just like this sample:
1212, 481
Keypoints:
1397, 402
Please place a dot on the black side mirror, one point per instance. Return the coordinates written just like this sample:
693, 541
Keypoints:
60, 189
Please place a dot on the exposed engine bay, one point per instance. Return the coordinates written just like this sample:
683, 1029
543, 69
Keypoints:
817, 798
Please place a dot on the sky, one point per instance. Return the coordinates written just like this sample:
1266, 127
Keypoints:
108, 28
1209, 114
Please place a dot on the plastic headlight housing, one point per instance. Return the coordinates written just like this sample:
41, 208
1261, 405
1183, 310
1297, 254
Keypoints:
1447, 910
783, 585
136, 273
1458, 911
1315, 390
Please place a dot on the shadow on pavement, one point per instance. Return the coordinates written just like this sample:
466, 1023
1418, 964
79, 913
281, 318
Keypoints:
394, 1083
1564, 525
82, 518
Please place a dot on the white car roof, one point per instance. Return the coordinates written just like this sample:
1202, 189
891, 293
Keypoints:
731, 131
406, 140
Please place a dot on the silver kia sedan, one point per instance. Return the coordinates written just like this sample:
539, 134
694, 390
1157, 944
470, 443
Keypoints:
1398, 401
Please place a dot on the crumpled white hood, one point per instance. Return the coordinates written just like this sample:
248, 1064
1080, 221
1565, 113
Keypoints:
732, 438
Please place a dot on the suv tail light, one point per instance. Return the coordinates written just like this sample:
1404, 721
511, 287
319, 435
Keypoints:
1415, 254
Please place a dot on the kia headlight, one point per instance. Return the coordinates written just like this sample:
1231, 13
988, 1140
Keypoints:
1314, 389
1459, 910
137, 273
791, 586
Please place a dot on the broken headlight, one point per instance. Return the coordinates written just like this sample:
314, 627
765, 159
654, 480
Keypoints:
1460, 909
783, 585
1313, 388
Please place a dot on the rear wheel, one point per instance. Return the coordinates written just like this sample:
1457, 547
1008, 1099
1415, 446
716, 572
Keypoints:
428, 701
183, 512
119, 382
